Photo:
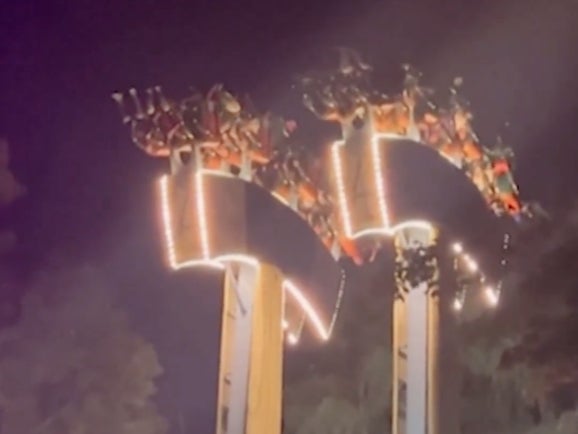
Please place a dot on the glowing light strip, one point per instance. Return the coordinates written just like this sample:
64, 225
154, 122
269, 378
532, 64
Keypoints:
491, 294
237, 257
216, 173
393, 230
338, 304
280, 199
306, 306
167, 222
202, 215
169, 234
387, 229
220, 261
379, 179
341, 195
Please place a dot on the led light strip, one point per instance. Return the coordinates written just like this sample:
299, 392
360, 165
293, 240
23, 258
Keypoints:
167, 225
386, 228
379, 179
202, 215
169, 234
341, 194
491, 293
219, 262
307, 308
338, 304
393, 230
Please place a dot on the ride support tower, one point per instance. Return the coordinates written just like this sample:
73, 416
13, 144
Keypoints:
366, 218
374, 204
215, 214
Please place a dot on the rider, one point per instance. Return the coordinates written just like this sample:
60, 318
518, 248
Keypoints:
504, 185
475, 161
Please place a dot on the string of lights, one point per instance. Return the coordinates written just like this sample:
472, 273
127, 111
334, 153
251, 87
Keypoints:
323, 330
470, 276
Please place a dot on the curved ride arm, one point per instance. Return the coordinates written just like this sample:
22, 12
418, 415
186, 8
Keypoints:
223, 136
221, 133
412, 115
226, 136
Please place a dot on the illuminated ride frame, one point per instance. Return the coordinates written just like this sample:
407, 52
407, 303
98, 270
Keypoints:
278, 274
365, 170
269, 255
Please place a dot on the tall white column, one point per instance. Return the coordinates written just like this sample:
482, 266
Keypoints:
415, 343
250, 365
243, 293
417, 359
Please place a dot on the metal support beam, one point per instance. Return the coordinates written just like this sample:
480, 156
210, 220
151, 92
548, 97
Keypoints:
415, 343
266, 374
250, 371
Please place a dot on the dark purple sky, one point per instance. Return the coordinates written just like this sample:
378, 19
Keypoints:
90, 189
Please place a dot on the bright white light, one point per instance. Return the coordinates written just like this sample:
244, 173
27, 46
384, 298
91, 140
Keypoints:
472, 265
393, 230
202, 215
167, 222
216, 172
237, 257
292, 339
492, 295
341, 194
457, 304
307, 308
220, 261
379, 179
280, 198
338, 304
386, 229
457, 248
379, 186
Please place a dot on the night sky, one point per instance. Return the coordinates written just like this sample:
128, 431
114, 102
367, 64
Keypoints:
90, 190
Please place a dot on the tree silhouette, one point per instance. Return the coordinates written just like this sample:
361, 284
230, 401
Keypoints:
519, 363
529, 347
72, 365
345, 387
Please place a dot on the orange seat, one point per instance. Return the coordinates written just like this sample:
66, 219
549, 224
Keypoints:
307, 192
213, 162
472, 151
452, 150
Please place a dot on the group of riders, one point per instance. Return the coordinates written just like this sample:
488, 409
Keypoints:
415, 265
226, 133
345, 96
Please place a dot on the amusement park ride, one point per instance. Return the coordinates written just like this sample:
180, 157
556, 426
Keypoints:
239, 198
